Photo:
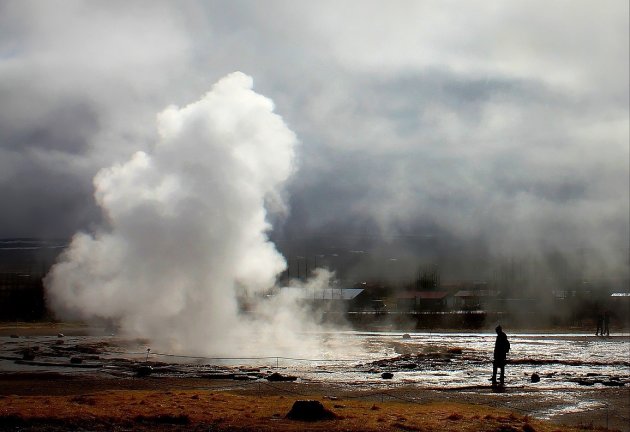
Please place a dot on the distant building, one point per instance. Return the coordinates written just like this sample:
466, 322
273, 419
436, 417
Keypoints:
474, 300
324, 298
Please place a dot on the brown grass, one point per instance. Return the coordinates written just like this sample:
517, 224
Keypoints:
196, 409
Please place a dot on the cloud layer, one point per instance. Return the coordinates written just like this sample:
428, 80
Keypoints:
495, 130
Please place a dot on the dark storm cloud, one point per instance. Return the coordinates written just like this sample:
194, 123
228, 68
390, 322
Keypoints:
493, 129
493, 166
45, 204
43, 191
66, 128
78, 83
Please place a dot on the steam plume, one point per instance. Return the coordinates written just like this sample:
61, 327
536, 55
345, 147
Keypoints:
187, 227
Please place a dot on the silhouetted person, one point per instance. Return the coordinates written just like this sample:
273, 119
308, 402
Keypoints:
605, 327
600, 324
501, 348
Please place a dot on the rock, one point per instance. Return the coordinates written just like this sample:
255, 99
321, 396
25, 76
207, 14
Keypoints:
14, 336
535, 377
612, 383
144, 371
76, 360
278, 377
28, 354
387, 375
406, 336
309, 410
59, 342
408, 366
59, 335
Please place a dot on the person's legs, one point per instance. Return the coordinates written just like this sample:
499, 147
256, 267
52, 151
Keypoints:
502, 373
494, 372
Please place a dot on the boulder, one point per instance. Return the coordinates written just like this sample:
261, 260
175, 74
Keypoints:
407, 365
535, 377
309, 410
144, 371
612, 383
279, 377
387, 375
28, 354
406, 336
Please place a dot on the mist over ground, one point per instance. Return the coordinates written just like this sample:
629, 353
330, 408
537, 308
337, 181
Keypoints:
466, 136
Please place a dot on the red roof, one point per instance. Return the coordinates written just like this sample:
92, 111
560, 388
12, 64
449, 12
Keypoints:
426, 295
479, 293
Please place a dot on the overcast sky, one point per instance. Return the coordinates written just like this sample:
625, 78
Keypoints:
458, 126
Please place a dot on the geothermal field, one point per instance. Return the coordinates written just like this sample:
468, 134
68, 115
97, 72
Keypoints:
290, 215
573, 379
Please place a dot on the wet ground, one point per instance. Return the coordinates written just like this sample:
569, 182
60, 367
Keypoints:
579, 373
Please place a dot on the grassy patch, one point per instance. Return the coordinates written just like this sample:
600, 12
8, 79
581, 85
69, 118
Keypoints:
223, 411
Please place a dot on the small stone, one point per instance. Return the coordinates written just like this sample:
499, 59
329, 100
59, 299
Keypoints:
535, 377
387, 375
406, 336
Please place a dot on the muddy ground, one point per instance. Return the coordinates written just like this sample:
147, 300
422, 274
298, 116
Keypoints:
102, 392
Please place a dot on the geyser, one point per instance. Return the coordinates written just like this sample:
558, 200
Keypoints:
187, 230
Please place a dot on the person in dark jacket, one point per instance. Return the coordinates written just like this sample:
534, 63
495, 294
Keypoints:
501, 348
600, 324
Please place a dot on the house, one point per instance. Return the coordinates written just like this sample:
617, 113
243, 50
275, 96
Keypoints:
473, 300
329, 298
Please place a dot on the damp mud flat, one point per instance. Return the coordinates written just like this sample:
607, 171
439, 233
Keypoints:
50, 380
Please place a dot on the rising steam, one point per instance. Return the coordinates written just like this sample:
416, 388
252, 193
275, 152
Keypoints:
188, 230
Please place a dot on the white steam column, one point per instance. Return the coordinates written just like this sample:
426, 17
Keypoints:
187, 228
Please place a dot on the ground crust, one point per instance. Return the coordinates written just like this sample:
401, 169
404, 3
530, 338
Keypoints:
51, 402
